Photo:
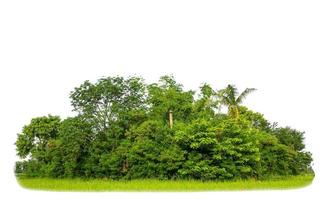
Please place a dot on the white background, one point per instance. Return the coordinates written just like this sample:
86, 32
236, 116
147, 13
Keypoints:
283, 48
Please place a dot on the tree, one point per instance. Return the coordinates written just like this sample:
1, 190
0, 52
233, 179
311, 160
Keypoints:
204, 107
110, 101
198, 140
238, 149
257, 119
75, 136
230, 98
152, 154
290, 137
168, 96
37, 144
36, 136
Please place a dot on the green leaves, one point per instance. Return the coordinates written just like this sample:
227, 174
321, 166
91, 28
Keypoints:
196, 136
35, 136
168, 95
229, 97
122, 131
75, 136
290, 137
24, 145
238, 148
110, 100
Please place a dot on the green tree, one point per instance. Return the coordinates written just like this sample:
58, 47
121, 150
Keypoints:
230, 98
198, 140
257, 119
110, 101
168, 96
152, 154
75, 136
238, 149
204, 107
37, 144
36, 136
290, 137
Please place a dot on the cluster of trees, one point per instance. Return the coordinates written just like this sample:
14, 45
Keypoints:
126, 129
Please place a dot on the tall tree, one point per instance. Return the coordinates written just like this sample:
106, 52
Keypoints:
167, 95
230, 98
204, 106
110, 101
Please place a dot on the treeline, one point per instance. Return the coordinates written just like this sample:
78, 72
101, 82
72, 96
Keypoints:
127, 129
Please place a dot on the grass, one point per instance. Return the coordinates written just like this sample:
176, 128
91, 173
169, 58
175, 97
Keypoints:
162, 185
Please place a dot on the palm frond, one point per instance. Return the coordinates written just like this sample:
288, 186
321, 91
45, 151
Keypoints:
231, 92
244, 94
228, 95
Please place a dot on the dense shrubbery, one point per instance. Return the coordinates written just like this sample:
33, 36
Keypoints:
123, 130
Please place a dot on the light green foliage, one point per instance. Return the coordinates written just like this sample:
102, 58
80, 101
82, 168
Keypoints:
199, 141
238, 150
35, 136
122, 132
196, 136
145, 185
204, 106
230, 98
198, 166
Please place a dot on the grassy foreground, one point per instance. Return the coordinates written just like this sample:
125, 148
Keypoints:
158, 185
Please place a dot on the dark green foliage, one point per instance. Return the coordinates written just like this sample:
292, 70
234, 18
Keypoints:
152, 153
257, 120
290, 137
122, 131
280, 159
75, 137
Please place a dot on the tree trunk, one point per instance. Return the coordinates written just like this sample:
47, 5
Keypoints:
170, 119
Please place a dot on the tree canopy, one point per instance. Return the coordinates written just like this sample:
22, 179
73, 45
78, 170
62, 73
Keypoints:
122, 130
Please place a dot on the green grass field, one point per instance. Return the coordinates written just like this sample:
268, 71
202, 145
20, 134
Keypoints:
158, 185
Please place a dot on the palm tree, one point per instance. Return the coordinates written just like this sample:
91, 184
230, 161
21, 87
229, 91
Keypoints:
230, 98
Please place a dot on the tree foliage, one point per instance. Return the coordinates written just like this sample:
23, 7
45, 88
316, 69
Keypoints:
122, 131
110, 101
231, 98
